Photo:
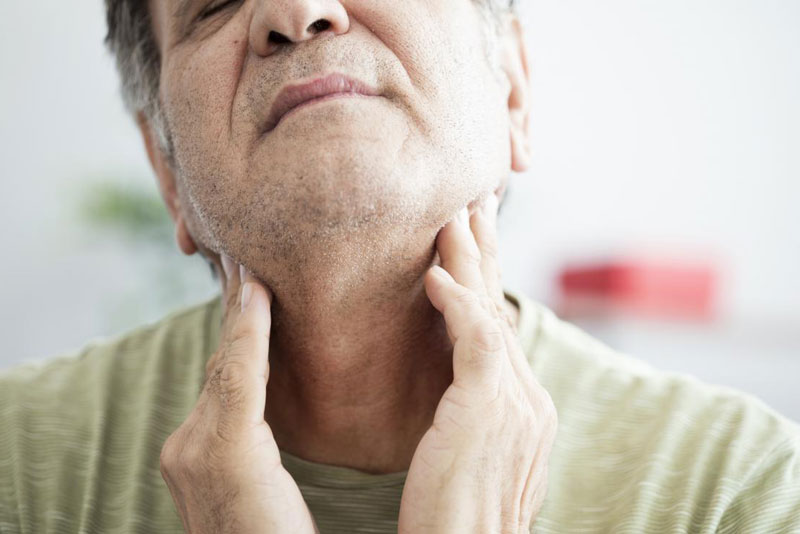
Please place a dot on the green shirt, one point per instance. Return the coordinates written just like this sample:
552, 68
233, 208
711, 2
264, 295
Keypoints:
637, 451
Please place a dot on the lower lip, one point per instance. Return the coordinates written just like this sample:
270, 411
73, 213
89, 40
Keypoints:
321, 99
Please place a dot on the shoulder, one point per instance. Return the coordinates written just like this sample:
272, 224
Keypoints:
642, 448
77, 427
768, 495
120, 361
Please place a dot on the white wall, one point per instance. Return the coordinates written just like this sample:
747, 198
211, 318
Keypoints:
672, 123
657, 125
62, 125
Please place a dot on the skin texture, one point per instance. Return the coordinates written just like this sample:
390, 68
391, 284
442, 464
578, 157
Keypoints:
480, 467
222, 465
339, 226
337, 211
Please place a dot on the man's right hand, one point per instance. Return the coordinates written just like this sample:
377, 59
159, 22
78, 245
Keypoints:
222, 465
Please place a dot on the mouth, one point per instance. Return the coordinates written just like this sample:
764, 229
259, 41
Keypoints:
319, 90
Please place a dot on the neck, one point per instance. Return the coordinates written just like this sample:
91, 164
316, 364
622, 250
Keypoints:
359, 358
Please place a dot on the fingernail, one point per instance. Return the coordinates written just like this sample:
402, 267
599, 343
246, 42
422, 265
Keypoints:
247, 293
242, 272
227, 265
463, 216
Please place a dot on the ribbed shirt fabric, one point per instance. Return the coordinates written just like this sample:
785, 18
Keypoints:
637, 451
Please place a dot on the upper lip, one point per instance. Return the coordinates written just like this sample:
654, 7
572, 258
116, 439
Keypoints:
292, 96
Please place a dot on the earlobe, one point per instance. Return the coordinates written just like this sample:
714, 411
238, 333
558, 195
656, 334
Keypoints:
515, 66
184, 238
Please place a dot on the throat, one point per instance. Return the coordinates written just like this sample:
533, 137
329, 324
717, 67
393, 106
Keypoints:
359, 390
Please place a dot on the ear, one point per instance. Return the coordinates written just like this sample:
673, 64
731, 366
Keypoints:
166, 184
514, 63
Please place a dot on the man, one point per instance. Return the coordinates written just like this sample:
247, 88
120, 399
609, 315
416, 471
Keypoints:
339, 163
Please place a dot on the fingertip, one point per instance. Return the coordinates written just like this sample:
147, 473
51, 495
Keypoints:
435, 281
247, 277
227, 265
441, 274
464, 216
248, 289
255, 295
268, 292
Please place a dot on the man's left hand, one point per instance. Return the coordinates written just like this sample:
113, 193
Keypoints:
482, 466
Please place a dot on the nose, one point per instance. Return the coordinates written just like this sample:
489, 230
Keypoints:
277, 22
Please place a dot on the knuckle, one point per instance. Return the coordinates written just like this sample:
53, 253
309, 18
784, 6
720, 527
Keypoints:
467, 297
520, 400
232, 373
548, 406
547, 410
227, 380
212, 362
189, 458
173, 458
224, 433
229, 374
488, 247
168, 456
472, 255
489, 305
243, 330
230, 301
487, 337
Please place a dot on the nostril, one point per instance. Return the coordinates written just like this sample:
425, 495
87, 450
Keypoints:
278, 38
319, 26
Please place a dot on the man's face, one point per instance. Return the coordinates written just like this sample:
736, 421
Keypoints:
346, 169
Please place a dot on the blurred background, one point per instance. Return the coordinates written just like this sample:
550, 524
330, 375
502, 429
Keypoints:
661, 213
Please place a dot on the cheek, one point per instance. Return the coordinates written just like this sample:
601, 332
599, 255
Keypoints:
199, 87
445, 52
442, 47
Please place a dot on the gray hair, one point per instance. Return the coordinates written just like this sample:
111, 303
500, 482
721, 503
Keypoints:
131, 40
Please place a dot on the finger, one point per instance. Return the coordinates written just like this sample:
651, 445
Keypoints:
232, 281
238, 381
231, 286
231, 289
479, 351
459, 253
484, 227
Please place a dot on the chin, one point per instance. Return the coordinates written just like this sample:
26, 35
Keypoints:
356, 118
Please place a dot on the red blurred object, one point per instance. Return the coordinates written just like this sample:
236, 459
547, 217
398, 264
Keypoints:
636, 287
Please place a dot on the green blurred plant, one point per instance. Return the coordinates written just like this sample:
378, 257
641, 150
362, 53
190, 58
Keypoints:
129, 211
133, 215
